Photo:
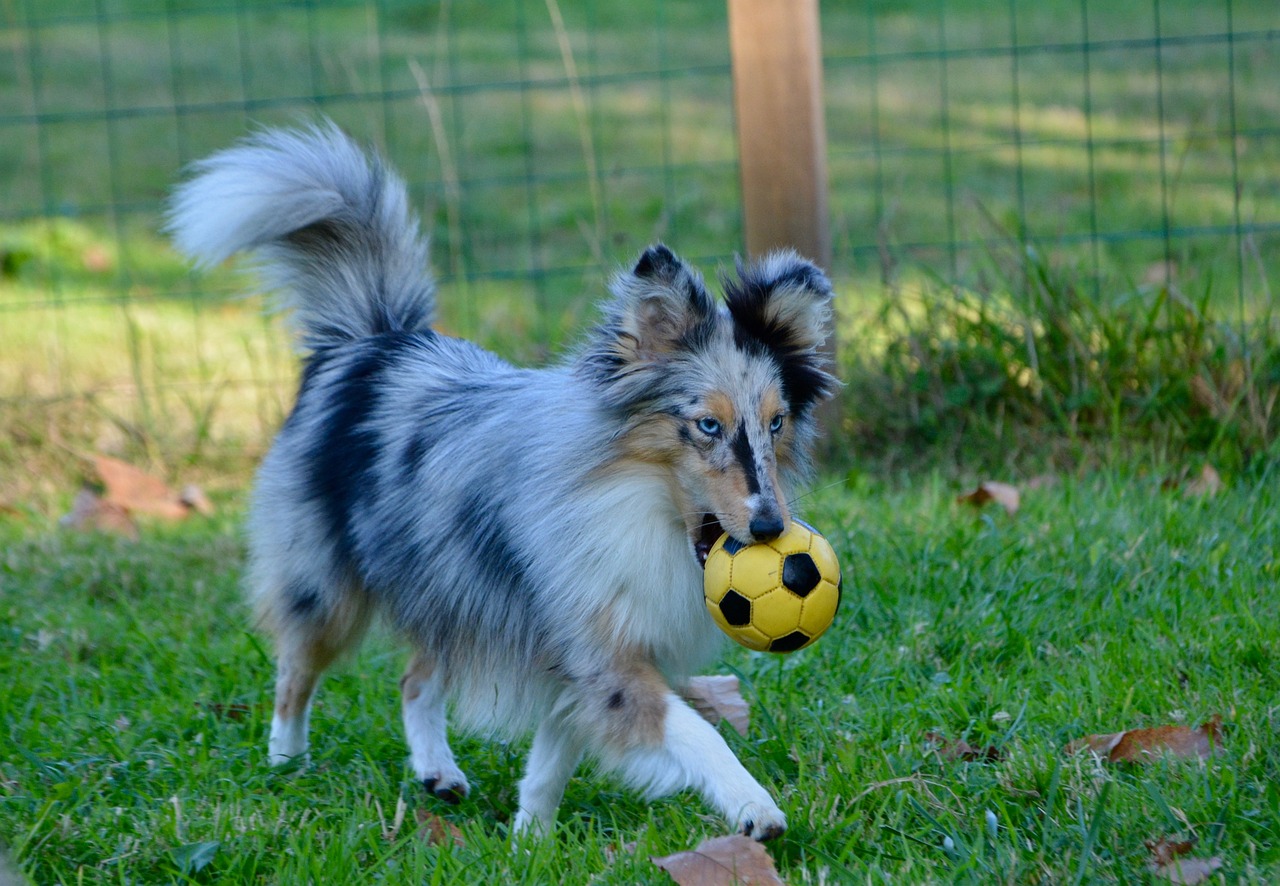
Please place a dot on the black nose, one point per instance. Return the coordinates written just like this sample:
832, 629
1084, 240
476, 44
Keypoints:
766, 527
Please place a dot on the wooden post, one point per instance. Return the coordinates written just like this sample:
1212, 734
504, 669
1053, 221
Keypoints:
776, 47
782, 136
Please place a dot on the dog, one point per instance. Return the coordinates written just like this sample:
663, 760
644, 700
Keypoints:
536, 534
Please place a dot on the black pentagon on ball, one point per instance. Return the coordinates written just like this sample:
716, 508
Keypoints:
790, 643
800, 574
736, 609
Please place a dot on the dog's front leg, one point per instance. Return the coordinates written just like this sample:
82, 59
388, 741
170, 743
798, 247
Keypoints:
556, 750
693, 754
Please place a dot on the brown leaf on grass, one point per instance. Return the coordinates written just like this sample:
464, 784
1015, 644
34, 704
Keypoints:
1167, 862
233, 711
962, 750
436, 831
1187, 871
1003, 494
717, 698
1139, 745
1166, 849
92, 514
137, 491
1206, 484
735, 860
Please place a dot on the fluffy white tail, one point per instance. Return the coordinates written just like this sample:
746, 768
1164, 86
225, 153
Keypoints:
328, 223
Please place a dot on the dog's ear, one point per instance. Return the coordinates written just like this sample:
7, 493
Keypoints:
782, 303
660, 310
659, 305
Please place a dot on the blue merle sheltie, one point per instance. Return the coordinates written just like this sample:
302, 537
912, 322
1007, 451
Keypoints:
535, 534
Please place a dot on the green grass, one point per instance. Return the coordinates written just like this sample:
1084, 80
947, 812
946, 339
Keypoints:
1106, 603
533, 198
1034, 366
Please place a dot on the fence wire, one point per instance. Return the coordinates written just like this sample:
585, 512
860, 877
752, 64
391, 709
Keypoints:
546, 142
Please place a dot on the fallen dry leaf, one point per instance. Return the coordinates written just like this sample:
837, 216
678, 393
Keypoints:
962, 750
137, 491
1166, 862
1003, 494
90, 513
717, 698
1166, 849
1206, 485
436, 831
1188, 871
723, 861
1139, 745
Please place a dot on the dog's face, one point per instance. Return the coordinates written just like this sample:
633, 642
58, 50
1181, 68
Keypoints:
722, 394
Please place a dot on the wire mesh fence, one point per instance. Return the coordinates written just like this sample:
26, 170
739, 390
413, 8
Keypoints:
1139, 138
546, 142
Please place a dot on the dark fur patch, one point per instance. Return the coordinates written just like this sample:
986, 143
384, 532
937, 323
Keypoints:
302, 600
341, 463
411, 459
487, 536
746, 459
616, 700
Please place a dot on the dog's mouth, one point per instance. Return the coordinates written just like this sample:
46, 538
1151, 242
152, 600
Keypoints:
706, 535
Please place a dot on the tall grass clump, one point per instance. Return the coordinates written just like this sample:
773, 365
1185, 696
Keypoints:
1034, 363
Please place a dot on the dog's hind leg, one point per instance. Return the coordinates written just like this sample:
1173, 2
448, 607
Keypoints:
311, 631
423, 696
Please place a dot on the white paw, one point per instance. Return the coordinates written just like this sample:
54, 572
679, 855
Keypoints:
280, 753
446, 782
761, 821
288, 740
527, 824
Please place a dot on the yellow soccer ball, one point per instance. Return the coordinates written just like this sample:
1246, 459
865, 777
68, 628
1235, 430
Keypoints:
775, 596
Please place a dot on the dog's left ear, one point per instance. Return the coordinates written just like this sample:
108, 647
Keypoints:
782, 303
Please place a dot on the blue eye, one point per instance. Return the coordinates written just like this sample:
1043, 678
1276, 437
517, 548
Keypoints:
709, 426
776, 425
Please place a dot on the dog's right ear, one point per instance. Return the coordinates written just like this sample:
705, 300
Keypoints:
659, 310
659, 304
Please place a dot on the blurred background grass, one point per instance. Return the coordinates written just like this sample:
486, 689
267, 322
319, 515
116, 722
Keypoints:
1050, 218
